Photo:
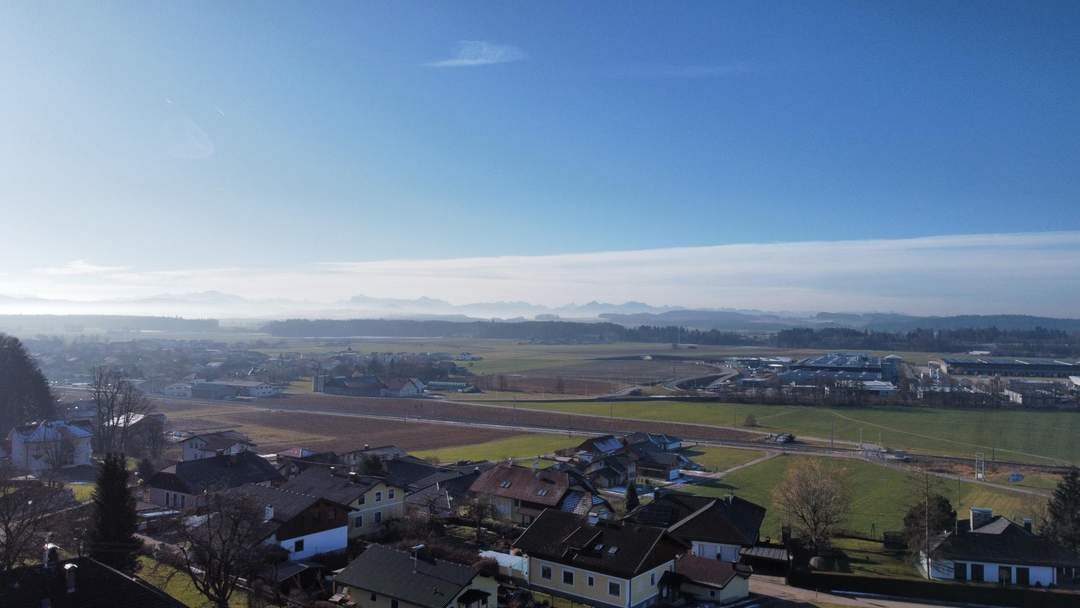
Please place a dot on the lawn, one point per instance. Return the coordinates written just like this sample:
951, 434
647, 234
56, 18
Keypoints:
519, 446
178, 585
721, 459
870, 558
881, 495
1023, 436
83, 491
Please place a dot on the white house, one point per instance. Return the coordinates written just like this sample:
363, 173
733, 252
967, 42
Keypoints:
301, 524
208, 445
47, 445
993, 549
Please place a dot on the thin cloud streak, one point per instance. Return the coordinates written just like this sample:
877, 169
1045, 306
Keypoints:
983, 273
473, 53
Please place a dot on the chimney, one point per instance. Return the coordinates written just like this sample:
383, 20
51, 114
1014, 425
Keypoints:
71, 571
980, 517
51, 556
416, 556
1027, 524
268, 512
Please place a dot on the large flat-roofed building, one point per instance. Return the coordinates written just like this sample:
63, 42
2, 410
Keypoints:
841, 362
1039, 367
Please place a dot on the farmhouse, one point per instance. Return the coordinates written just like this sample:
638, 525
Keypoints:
715, 528
184, 485
370, 501
301, 524
382, 577
54, 444
993, 549
698, 580
208, 445
519, 495
595, 562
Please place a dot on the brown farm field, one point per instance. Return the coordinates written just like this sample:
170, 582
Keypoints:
276, 430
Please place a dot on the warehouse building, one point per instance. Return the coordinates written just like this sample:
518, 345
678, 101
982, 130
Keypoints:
1032, 367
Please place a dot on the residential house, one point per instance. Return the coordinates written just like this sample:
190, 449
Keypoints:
659, 441
992, 549
518, 495
597, 562
445, 494
302, 524
382, 577
370, 500
207, 445
402, 387
714, 528
698, 580
384, 452
177, 390
78, 583
54, 444
184, 485
595, 448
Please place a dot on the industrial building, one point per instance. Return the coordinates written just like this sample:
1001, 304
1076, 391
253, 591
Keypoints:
1035, 367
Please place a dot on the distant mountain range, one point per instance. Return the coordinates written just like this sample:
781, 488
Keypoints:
234, 309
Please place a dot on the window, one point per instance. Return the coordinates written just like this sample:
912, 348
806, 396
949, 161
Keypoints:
378, 496
977, 573
390, 494
614, 588
568, 577
960, 571
652, 579
393, 603
373, 596
545, 572
1023, 576
378, 517
363, 499
298, 546
590, 580
504, 483
1004, 574
358, 522
182, 498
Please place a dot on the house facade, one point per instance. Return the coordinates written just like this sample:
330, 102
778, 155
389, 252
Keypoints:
600, 563
370, 501
185, 485
715, 528
208, 445
49, 445
518, 494
993, 549
301, 524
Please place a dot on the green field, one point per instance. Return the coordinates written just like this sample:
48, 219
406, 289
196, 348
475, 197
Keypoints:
178, 585
519, 446
1022, 436
83, 491
881, 495
721, 459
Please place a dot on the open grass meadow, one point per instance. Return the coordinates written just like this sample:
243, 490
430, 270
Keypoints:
721, 459
1041, 437
880, 495
179, 586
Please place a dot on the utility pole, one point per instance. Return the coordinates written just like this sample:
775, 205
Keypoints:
926, 520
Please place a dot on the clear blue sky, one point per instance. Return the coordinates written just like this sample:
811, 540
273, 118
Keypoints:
170, 135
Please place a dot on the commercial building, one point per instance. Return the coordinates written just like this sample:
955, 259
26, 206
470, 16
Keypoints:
1034, 367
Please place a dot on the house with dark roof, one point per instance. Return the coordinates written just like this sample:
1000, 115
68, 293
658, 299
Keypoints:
184, 485
370, 500
597, 562
78, 583
442, 497
207, 445
302, 524
993, 549
660, 441
715, 528
382, 577
518, 494
698, 580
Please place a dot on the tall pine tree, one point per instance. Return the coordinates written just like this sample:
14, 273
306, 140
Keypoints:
632, 501
1063, 512
112, 538
24, 393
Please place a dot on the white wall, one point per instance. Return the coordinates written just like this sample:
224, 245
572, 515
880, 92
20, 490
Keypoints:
944, 570
727, 553
327, 541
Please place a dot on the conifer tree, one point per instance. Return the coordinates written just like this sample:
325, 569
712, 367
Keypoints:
112, 538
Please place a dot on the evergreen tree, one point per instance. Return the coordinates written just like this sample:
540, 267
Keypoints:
632, 500
24, 393
942, 518
112, 538
1063, 512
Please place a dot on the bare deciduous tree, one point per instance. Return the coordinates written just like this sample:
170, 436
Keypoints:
225, 546
814, 500
118, 403
24, 513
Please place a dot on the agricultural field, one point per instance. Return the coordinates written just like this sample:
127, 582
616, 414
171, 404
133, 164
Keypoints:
277, 430
1040, 437
525, 446
721, 459
881, 495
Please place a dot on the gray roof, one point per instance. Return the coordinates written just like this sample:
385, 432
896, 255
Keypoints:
322, 482
1000, 541
215, 473
424, 582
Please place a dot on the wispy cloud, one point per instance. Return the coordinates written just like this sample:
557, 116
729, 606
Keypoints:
687, 71
1033, 273
471, 53
80, 268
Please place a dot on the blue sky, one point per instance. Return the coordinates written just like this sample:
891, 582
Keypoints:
175, 136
